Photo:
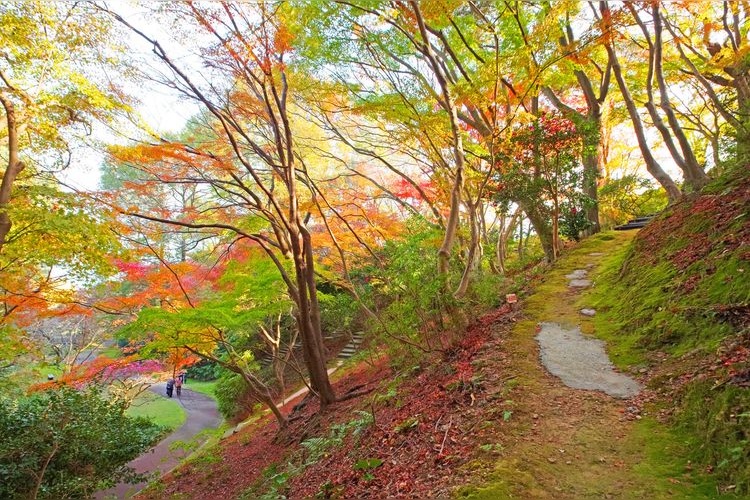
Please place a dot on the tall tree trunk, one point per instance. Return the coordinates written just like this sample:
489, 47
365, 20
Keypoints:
14, 167
694, 176
653, 167
501, 247
541, 224
591, 175
449, 105
308, 316
474, 250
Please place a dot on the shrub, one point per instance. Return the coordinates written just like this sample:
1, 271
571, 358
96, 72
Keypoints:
411, 294
232, 396
203, 370
68, 444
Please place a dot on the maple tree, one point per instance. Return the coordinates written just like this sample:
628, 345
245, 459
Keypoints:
51, 94
540, 161
711, 42
218, 314
592, 76
253, 150
46, 91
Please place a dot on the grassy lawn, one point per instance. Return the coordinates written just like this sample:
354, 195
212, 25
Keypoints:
206, 388
113, 352
161, 410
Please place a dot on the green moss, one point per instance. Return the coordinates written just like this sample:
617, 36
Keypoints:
649, 297
660, 307
666, 460
718, 420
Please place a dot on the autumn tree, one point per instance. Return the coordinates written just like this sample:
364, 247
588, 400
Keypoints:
711, 43
51, 96
253, 165
219, 312
45, 87
672, 132
592, 76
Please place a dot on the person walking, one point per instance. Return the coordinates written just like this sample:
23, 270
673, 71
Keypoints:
178, 385
170, 387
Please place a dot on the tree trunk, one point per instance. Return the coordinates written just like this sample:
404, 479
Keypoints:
474, 256
543, 229
15, 166
501, 247
591, 175
308, 317
673, 192
263, 395
448, 103
695, 176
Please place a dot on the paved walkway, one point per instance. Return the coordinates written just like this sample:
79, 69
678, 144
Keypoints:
201, 414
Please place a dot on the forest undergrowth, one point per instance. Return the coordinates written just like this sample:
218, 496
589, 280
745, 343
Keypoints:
483, 419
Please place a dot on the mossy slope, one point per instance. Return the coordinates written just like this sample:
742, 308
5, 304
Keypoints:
677, 301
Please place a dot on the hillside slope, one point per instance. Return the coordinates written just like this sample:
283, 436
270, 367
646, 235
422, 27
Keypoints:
484, 419
677, 306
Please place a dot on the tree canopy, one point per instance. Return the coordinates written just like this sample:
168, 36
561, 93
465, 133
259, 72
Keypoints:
351, 165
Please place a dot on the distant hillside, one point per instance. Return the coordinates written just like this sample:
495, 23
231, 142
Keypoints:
677, 303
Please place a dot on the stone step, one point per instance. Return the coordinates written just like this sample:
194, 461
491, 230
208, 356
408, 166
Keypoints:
636, 223
626, 227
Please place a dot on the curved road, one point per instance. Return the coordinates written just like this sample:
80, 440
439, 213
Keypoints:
201, 414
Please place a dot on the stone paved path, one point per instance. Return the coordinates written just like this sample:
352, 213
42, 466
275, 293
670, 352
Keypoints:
578, 360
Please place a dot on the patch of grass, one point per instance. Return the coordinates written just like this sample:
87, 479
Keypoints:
113, 352
163, 411
203, 387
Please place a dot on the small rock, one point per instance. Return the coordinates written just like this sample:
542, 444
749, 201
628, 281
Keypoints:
568, 462
535, 416
588, 312
577, 274
579, 283
642, 370
551, 460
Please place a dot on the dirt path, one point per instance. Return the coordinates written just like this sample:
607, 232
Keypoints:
563, 442
201, 414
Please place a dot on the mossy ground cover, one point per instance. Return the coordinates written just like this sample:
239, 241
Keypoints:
567, 443
677, 306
